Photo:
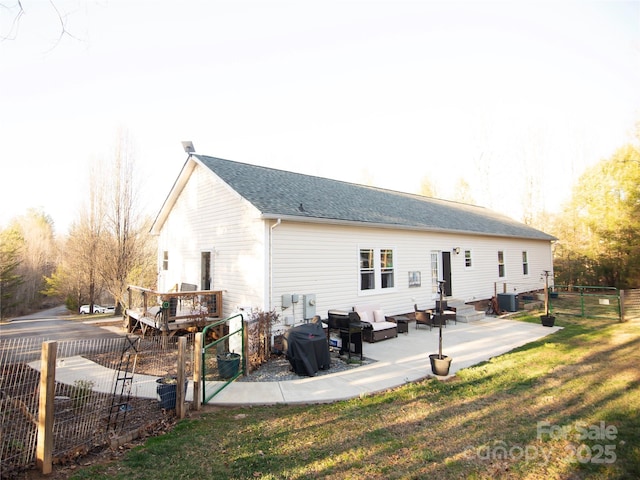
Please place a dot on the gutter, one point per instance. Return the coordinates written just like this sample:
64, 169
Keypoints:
356, 223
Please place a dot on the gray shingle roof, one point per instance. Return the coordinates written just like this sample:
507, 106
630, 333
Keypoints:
281, 193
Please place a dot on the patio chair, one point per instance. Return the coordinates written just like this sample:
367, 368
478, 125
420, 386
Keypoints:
423, 317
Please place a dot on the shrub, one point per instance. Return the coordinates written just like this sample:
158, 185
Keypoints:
259, 335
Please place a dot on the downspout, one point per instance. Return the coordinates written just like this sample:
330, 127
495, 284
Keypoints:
278, 222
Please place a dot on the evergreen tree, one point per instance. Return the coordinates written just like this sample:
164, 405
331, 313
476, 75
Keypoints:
10, 245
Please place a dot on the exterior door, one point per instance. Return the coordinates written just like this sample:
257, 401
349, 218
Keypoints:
446, 273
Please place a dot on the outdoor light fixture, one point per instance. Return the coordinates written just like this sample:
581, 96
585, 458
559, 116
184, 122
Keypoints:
456, 250
188, 147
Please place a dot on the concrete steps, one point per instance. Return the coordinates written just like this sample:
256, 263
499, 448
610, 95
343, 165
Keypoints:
465, 313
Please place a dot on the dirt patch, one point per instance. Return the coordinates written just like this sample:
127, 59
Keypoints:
105, 454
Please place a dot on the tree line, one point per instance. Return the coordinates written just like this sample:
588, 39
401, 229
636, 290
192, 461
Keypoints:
108, 247
598, 230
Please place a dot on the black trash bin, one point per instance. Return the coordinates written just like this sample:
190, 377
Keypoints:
167, 391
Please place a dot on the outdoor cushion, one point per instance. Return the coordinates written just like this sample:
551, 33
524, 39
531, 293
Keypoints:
364, 317
378, 326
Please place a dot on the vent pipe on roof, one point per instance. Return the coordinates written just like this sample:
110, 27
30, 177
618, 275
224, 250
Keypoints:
188, 147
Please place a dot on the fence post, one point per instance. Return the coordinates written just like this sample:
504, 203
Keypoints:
621, 304
44, 448
180, 396
197, 371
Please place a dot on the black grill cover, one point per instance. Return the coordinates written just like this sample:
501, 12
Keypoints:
307, 349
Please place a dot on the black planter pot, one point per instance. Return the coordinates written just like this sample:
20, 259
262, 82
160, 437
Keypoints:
547, 320
228, 364
440, 366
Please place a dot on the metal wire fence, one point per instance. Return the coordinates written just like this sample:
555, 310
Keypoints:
586, 301
18, 404
105, 394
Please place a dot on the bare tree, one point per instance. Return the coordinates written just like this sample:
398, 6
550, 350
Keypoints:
462, 192
75, 275
15, 12
126, 242
85, 236
109, 247
533, 156
427, 187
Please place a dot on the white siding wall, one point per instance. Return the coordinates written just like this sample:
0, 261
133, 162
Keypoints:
324, 259
209, 216
481, 280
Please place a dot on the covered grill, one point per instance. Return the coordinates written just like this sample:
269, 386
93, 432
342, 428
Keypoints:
307, 349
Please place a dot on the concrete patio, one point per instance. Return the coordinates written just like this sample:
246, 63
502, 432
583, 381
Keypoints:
397, 361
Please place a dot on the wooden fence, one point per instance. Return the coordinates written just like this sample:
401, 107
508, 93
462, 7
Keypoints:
60, 400
630, 304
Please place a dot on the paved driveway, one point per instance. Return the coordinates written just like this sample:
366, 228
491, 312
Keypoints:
50, 325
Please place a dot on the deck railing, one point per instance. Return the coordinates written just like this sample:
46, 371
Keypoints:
195, 307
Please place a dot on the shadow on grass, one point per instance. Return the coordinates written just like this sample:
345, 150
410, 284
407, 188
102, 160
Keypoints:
479, 424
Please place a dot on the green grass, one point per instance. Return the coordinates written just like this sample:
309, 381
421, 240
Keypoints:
585, 374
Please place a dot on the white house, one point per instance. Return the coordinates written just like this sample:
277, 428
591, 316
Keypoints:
300, 245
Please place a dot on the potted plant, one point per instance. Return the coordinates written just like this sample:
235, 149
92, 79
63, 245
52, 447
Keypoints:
440, 363
546, 319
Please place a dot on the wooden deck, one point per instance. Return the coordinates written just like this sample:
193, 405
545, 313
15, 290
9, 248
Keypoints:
171, 312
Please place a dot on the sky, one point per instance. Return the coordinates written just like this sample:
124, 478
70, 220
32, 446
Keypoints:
514, 98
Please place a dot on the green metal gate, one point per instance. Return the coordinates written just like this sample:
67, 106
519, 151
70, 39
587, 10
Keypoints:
587, 301
222, 355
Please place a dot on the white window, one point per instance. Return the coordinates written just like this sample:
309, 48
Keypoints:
386, 268
467, 259
525, 263
501, 264
377, 271
367, 269
165, 260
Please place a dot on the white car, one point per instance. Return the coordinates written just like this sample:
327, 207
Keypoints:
96, 309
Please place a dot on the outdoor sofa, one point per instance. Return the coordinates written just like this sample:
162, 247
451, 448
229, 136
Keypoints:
379, 326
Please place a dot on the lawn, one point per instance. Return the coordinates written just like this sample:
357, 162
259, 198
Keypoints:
566, 406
